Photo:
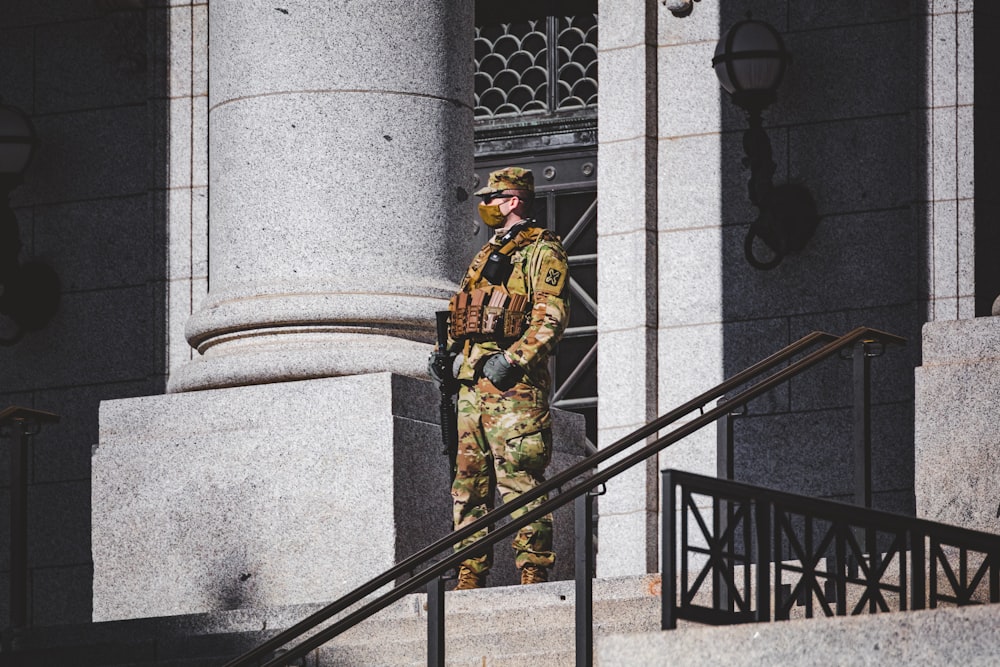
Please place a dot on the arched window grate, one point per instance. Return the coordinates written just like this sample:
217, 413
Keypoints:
517, 63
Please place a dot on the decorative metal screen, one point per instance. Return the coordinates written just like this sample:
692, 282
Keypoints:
517, 64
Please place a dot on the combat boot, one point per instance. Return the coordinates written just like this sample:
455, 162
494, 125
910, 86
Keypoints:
467, 579
534, 574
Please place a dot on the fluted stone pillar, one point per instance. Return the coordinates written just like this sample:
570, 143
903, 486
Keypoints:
340, 164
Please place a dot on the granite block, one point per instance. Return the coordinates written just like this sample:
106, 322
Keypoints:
71, 235
690, 363
632, 491
774, 13
179, 141
85, 66
622, 192
282, 471
954, 402
814, 14
5, 535
621, 549
199, 141
46, 11
695, 453
815, 89
965, 153
672, 30
62, 451
873, 147
17, 52
89, 155
625, 24
690, 172
945, 229
626, 368
691, 262
180, 58
627, 107
961, 342
688, 104
634, 306
182, 297
61, 595
199, 45
944, 152
59, 516
809, 454
943, 61
954, 431
102, 336
180, 230
967, 251
735, 179
824, 276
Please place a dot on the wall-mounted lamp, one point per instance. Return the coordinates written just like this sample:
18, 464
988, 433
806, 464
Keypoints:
750, 61
680, 8
29, 292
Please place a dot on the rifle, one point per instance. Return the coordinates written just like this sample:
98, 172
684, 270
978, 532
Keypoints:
449, 387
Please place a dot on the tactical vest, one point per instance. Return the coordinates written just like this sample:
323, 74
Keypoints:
482, 311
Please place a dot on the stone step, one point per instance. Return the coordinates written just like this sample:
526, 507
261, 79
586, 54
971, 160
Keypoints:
498, 627
968, 636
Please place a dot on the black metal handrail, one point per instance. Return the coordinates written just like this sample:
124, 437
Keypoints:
821, 543
588, 480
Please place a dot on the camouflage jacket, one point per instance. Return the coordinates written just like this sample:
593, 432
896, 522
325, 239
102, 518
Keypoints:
541, 272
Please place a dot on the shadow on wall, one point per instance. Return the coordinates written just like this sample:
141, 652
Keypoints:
840, 128
92, 209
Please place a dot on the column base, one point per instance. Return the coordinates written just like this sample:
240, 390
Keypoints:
300, 354
278, 494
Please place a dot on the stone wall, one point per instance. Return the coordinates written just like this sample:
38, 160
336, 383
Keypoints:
89, 208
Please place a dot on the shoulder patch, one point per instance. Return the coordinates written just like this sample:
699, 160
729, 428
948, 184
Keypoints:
552, 275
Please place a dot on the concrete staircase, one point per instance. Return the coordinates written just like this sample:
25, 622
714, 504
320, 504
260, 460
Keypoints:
496, 627
522, 626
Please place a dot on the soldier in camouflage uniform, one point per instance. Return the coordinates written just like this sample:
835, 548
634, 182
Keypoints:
508, 315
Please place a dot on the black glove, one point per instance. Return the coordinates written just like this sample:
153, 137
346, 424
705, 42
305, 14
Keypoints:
439, 365
501, 372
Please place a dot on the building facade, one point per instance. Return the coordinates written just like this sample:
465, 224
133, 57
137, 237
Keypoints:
237, 195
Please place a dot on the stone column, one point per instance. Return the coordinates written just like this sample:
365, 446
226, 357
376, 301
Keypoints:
340, 164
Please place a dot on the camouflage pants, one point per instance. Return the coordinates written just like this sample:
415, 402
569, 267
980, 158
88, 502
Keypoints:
504, 444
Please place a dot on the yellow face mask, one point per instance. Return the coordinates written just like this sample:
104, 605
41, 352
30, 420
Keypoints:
491, 215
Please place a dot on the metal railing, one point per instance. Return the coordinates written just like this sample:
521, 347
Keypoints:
21, 425
577, 484
743, 543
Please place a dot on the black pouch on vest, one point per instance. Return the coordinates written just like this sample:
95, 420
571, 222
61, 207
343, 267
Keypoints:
498, 268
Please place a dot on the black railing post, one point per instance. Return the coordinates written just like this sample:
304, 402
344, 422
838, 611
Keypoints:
21, 424
435, 622
762, 510
584, 507
918, 570
725, 469
668, 575
863, 352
